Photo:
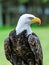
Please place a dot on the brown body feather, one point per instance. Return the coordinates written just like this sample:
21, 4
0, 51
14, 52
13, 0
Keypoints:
22, 47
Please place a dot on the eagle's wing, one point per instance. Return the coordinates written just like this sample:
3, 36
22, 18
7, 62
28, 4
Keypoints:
13, 59
7, 49
8, 45
36, 48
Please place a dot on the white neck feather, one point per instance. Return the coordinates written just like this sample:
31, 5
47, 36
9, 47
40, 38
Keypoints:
21, 28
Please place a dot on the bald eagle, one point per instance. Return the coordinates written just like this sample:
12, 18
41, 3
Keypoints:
22, 44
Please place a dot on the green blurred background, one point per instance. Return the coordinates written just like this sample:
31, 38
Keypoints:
11, 10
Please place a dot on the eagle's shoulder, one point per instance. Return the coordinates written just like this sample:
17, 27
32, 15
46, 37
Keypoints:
12, 33
34, 34
32, 37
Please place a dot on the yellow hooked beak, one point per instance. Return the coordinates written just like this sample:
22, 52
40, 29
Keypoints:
37, 20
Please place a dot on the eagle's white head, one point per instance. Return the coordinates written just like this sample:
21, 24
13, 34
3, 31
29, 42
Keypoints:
24, 23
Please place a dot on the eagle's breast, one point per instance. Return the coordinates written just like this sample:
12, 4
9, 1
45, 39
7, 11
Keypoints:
20, 45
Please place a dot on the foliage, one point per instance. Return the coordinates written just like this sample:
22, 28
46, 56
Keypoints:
44, 1
23, 1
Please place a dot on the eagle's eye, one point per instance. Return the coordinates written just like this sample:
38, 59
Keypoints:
30, 18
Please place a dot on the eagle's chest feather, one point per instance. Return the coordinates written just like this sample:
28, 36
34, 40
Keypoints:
21, 46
